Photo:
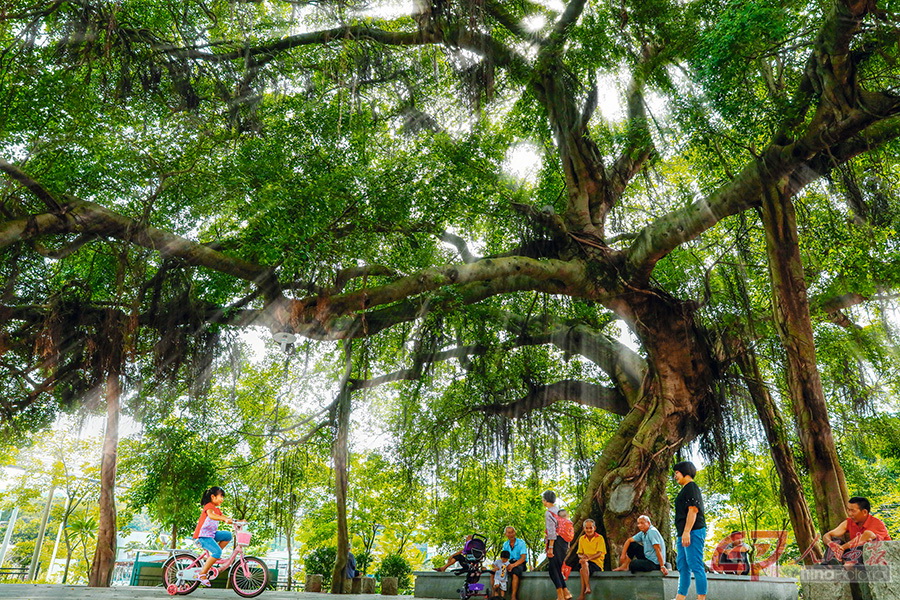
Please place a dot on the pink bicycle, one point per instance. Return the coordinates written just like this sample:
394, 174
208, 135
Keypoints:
249, 575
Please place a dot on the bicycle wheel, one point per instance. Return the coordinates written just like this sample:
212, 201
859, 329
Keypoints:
170, 570
249, 577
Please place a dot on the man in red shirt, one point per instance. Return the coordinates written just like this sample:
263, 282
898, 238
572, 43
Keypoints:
859, 528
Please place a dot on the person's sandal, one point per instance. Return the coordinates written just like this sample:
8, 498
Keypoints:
204, 580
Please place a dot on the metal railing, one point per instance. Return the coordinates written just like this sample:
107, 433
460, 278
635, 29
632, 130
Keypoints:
8, 574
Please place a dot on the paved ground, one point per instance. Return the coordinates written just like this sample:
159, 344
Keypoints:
17, 591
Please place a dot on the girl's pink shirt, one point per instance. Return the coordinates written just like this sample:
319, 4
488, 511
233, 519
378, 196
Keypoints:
207, 527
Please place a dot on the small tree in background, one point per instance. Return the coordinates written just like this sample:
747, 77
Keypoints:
321, 562
83, 528
178, 469
363, 562
395, 565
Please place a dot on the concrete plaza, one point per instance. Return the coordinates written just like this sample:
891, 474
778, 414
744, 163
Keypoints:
21, 591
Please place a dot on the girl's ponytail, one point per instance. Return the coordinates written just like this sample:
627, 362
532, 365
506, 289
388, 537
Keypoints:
208, 494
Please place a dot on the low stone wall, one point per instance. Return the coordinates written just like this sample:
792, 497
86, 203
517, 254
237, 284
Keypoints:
875, 582
620, 586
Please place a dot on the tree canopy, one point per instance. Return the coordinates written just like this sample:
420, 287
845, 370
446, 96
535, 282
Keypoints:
711, 179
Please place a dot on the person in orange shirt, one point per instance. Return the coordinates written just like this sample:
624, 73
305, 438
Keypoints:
859, 528
591, 552
207, 531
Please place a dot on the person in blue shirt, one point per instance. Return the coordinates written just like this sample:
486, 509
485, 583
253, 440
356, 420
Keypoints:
644, 551
351, 566
518, 558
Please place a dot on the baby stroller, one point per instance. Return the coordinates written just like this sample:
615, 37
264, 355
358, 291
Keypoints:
470, 565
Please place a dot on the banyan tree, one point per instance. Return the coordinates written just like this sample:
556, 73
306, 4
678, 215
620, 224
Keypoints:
714, 176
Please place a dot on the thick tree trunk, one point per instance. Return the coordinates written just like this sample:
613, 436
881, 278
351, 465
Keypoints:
340, 455
630, 478
791, 311
105, 553
174, 536
782, 456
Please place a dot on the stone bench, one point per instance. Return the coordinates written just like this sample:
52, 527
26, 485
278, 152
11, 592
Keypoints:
619, 586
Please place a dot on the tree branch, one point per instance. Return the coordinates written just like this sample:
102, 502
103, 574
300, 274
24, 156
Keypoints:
345, 275
461, 246
319, 317
80, 216
474, 41
581, 392
625, 367
272, 47
20, 230
486, 276
843, 301
639, 145
414, 373
499, 14
490, 282
798, 163
66, 251
33, 186
560, 32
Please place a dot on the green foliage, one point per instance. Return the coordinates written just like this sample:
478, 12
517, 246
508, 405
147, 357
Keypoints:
321, 562
177, 467
741, 48
747, 500
871, 463
364, 560
326, 157
71, 465
391, 506
394, 565
486, 499
83, 528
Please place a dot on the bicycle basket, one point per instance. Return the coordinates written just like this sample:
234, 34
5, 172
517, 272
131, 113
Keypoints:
243, 538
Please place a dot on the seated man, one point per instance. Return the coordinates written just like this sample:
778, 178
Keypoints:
845, 542
734, 558
645, 550
458, 557
351, 571
591, 552
518, 555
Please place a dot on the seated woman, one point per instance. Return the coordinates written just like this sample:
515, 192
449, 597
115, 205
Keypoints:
591, 552
458, 557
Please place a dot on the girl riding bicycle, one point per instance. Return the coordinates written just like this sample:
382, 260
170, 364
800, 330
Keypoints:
207, 531
182, 572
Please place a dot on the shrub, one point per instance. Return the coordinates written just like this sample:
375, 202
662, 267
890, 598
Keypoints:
395, 565
363, 562
321, 562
